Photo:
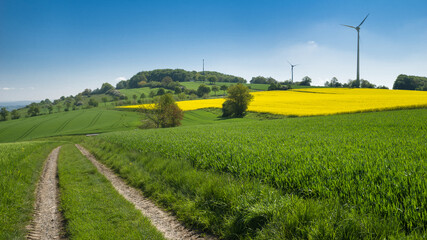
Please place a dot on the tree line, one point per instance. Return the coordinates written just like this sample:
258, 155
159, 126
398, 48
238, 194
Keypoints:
405, 82
177, 75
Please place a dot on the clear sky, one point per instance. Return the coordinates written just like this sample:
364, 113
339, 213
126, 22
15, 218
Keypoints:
50, 48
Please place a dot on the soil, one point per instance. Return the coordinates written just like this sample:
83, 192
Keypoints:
47, 221
166, 223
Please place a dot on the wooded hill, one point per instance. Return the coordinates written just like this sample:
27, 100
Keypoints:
177, 75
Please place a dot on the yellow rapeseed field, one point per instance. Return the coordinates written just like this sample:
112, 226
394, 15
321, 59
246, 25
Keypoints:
321, 101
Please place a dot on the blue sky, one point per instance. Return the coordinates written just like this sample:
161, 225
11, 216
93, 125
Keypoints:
50, 48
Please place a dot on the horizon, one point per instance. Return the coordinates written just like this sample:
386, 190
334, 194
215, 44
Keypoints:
56, 48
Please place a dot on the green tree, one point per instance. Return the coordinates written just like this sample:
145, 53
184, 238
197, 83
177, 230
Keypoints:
152, 94
366, 84
106, 87
306, 81
237, 101
50, 109
224, 88
164, 113
33, 110
3, 114
93, 102
212, 79
143, 96
202, 90
215, 89
161, 91
105, 100
15, 114
178, 90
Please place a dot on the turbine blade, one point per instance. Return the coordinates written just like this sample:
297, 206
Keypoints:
348, 26
290, 63
363, 20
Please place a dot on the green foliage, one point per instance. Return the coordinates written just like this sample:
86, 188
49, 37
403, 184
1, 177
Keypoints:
237, 101
15, 114
369, 162
333, 83
92, 208
161, 92
3, 114
405, 82
33, 110
305, 81
366, 84
278, 86
164, 114
176, 75
215, 89
212, 79
263, 80
20, 168
92, 102
202, 90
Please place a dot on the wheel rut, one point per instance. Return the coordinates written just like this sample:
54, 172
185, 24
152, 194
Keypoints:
167, 224
47, 220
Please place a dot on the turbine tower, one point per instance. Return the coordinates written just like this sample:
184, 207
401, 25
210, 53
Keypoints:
292, 71
358, 37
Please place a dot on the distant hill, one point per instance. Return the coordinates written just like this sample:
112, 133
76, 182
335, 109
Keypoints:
177, 75
14, 105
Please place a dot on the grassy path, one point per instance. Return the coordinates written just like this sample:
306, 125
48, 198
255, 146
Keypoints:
92, 208
164, 222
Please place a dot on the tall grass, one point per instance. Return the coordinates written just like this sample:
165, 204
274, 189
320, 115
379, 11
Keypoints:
371, 164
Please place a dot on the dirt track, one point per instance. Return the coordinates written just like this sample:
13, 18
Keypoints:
164, 222
47, 218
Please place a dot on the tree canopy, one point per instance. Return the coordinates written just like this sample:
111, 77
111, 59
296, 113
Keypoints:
164, 113
405, 82
237, 101
263, 80
176, 75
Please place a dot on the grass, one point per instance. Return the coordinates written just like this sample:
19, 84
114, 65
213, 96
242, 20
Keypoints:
86, 121
365, 166
91, 206
213, 116
20, 168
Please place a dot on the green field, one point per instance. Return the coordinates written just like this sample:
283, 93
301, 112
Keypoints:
82, 189
370, 164
20, 168
85, 121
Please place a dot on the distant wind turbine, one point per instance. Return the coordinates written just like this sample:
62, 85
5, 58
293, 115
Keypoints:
292, 71
357, 29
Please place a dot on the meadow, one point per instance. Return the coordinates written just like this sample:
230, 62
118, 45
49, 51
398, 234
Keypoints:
20, 168
85, 121
320, 101
367, 169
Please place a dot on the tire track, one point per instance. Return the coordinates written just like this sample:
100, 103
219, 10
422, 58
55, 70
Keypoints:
60, 128
167, 224
29, 131
118, 122
95, 119
46, 223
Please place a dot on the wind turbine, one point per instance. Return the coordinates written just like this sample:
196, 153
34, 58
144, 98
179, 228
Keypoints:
358, 37
292, 71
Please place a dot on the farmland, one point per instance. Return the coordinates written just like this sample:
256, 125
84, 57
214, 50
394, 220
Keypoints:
321, 101
372, 163
20, 168
67, 123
